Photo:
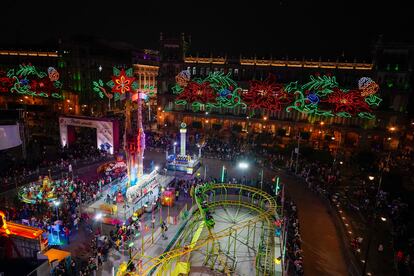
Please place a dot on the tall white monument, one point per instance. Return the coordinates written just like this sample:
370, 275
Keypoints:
183, 131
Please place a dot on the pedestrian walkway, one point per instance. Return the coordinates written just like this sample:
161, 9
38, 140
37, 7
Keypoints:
154, 244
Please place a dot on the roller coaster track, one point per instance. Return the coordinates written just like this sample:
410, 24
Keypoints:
257, 200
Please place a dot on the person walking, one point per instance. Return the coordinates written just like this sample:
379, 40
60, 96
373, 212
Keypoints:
164, 229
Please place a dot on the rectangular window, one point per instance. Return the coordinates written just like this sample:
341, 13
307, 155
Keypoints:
194, 71
207, 70
236, 72
202, 71
231, 71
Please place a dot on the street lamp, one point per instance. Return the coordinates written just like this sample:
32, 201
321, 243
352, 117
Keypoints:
243, 166
175, 143
373, 221
98, 217
56, 203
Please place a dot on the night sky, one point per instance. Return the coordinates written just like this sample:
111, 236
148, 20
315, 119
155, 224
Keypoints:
295, 28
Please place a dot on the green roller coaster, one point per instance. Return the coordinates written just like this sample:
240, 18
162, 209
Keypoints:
231, 231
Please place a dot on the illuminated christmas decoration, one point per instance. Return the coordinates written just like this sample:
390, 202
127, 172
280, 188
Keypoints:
53, 74
98, 87
322, 96
123, 81
183, 78
350, 102
217, 90
367, 86
373, 100
266, 94
5, 82
27, 80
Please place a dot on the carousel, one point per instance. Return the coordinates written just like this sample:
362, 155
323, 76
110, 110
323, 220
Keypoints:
43, 190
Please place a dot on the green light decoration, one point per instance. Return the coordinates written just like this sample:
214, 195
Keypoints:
150, 90
322, 96
321, 85
117, 96
373, 100
98, 87
26, 70
217, 90
366, 115
343, 114
57, 84
28, 80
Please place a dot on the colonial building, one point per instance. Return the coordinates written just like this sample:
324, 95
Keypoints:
174, 57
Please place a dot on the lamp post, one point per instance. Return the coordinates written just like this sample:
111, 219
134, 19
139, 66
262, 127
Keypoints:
98, 217
175, 163
373, 221
57, 203
175, 144
297, 154
261, 179
243, 165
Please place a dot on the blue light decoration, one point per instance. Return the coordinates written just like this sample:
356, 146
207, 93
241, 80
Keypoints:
313, 98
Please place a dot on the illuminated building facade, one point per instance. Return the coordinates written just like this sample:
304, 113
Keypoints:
331, 131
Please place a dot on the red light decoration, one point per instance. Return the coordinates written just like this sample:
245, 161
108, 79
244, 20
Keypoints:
266, 94
197, 92
122, 82
351, 102
5, 82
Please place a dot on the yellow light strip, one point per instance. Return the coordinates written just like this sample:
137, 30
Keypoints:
28, 53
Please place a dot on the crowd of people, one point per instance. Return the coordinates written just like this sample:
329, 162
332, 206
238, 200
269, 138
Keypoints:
293, 242
70, 193
16, 173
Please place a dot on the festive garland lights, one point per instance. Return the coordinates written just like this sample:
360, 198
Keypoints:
217, 90
123, 81
28, 80
321, 96
266, 94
